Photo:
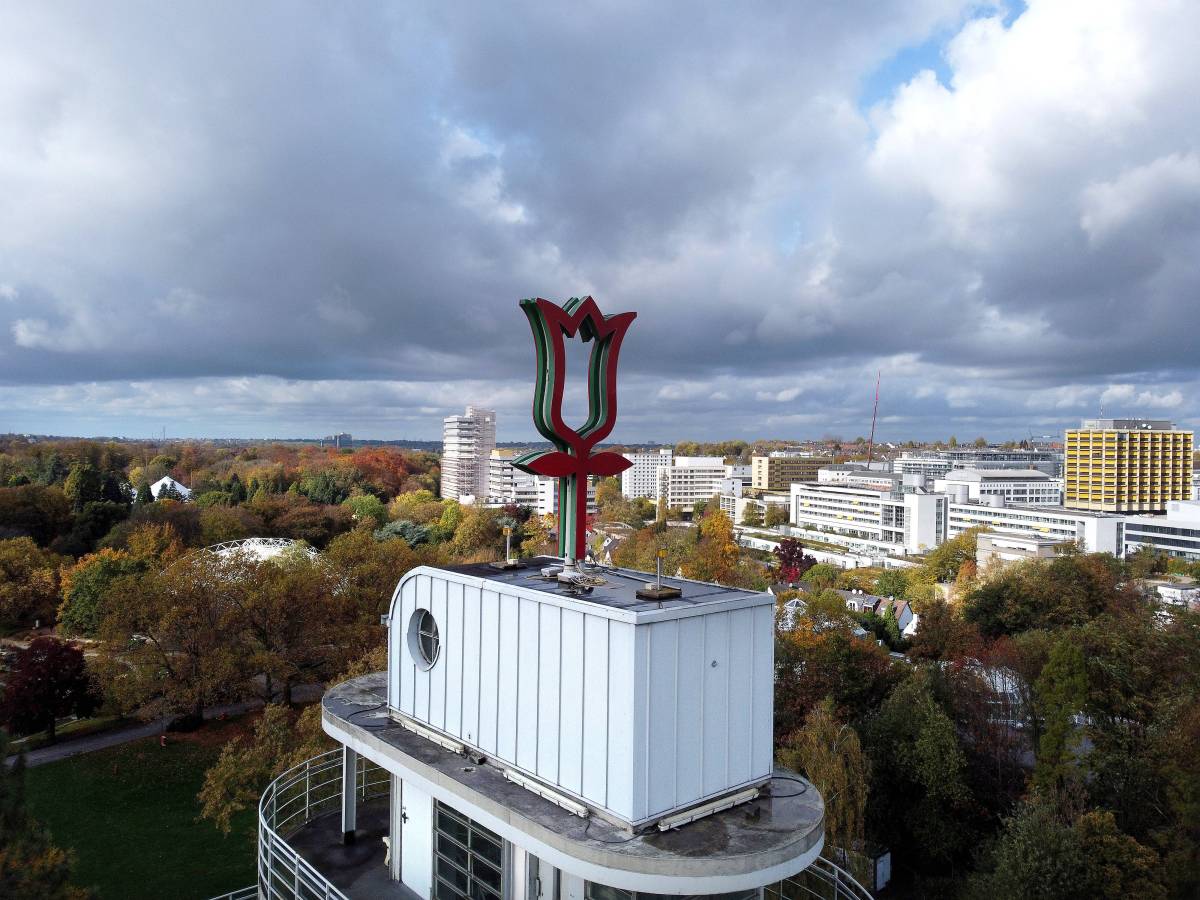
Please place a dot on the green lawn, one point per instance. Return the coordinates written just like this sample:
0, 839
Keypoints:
129, 813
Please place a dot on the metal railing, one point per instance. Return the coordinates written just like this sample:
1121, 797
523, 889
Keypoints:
301, 794
823, 880
246, 893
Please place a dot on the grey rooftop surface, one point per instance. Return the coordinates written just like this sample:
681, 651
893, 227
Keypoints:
618, 590
784, 822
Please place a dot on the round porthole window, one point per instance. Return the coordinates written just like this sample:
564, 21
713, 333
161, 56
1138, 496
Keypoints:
424, 643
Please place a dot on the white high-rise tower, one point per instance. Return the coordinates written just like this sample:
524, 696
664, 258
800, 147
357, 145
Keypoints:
467, 443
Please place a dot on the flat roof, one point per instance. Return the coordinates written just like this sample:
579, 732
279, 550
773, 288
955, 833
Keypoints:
783, 827
618, 590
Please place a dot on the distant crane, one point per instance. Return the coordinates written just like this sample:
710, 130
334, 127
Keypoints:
874, 413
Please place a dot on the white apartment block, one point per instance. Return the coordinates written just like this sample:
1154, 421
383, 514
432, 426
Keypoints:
1096, 532
690, 478
467, 444
508, 484
641, 479
937, 463
1024, 487
547, 496
1176, 534
883, 519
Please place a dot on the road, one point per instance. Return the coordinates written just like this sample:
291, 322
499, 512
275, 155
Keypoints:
69, 748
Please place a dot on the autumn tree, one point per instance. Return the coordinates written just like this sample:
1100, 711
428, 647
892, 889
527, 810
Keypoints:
421, 507
716, 557
793, 561
828, 753
367, 510
777, 514
752, 515
293, 617
34, 511
943, 562
29, 582
367, 571
281, 739
1039, 855
86, 586
811, 665
823, 575
49, 680
535, 535
891, 583
32, 867
171, 643
478, 537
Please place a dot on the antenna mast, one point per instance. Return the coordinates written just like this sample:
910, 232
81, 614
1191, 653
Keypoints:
874, 413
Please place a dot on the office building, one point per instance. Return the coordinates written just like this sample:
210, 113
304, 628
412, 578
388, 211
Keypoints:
1095, 532
688, 479
778, 471
530, 743
1127, 465
641, 479
509, 485
936, 463
880, 518
1177, 534
467, 444
1025, 487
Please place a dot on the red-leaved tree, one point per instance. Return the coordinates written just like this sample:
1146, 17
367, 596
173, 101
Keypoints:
50, 680
793, 561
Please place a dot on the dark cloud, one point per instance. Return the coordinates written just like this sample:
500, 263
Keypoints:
275, 219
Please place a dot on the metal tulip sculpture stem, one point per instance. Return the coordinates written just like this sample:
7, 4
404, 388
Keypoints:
573, 460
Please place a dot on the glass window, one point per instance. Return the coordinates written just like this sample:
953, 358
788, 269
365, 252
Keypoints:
595, 891
468, 859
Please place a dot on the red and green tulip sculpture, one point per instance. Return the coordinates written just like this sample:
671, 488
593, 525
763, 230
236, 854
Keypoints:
574, 460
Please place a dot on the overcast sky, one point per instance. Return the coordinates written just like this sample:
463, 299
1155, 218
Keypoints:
290, 219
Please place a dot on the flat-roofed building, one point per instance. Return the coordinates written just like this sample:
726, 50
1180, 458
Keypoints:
1095, 532
1001, 547
467, 444
777, 471
936, 463
1027, 487
881, 518
1127, 465
689, 479
641, 479
1177, 534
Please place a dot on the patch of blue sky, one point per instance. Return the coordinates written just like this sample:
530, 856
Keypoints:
904, 65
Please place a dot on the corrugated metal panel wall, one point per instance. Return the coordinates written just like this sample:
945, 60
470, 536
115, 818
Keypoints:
565, 696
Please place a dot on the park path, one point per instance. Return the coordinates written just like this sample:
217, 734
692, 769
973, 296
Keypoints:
68, 748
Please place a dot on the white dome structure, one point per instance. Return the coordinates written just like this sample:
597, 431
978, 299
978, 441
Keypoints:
260, 547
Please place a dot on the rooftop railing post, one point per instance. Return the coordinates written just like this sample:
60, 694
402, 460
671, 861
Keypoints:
349, 794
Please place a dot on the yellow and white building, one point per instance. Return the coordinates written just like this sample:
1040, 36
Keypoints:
1127, 465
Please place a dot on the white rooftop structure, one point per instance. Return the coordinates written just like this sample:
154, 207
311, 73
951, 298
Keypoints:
536, 739
158, 486
260, 548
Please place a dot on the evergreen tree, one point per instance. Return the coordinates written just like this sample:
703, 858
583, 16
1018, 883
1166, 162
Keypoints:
237, 490
144, 495
1061, 692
